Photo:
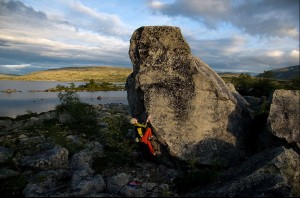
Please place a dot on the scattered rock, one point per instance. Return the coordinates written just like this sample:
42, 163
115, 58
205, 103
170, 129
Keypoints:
284, 117
5, 154
55, 158
271, 173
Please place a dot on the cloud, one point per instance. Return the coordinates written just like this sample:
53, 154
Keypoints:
95, 20
31, 37
16, 66
232, 35
18, 8
261, 17
9, 69
294, 54
236, 53
219, 39
156, 4
275, 53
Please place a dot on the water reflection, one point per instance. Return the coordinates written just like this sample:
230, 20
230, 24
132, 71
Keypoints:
18, 103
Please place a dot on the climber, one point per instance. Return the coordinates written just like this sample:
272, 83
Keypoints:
143, 133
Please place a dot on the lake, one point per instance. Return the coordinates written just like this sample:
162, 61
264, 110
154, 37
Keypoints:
19, 103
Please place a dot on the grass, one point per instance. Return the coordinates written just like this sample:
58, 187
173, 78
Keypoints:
116, 146
91, 86
82, 74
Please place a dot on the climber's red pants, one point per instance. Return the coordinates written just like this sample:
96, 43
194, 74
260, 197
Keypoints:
145, 139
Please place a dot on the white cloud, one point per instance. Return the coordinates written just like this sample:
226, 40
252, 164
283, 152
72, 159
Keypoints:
94, 20
37, 40
156, 4
11, 69
251, 35
294, 54
16, 66
275, 53
264, 17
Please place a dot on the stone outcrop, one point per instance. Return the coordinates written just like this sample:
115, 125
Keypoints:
5, 154
32, 164
274, 172
33, 155
55, 158
284, 116
192, 108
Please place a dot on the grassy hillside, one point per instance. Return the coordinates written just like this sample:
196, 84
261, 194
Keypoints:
7, 76
228, 74
119, 74
286, 73
98, 73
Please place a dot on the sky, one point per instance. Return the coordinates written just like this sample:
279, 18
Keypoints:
249, 36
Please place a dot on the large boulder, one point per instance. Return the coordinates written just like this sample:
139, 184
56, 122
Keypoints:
284, 116
272, 173
192, 108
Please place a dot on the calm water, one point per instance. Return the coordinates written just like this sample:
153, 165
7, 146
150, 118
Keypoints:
19, 103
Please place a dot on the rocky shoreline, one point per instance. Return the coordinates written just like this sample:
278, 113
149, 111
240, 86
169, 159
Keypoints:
212, 141
34, 163
30, 155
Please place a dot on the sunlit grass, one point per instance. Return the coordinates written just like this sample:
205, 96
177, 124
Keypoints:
83, 74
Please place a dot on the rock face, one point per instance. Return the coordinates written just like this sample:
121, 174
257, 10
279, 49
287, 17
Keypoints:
192, 108
284, 117
55, 158
271, 173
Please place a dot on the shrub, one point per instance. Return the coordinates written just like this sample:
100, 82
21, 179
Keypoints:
81, 114
247, 85
243, 83
116, 145
295, 83
263, 87
267, 74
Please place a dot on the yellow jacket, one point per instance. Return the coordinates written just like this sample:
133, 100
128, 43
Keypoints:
139, 128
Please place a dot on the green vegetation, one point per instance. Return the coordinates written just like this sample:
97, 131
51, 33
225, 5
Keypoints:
267, 74
76, 115
248, 85
116, 145
90, 86
82, 118
285, 73
294, 84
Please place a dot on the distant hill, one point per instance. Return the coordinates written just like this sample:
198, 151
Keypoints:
84, 74
119, 74
235, 74
7, 75
228, 74
285, 73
